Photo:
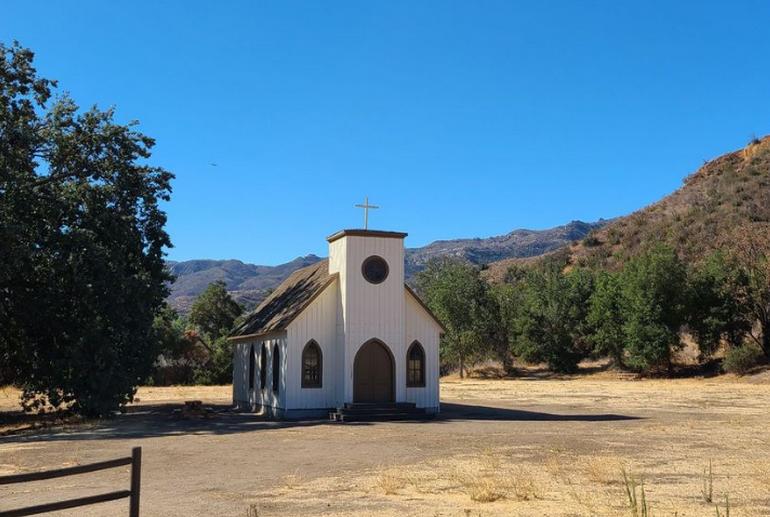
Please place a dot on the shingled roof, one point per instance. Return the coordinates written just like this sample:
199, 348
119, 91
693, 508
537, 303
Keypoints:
287, 301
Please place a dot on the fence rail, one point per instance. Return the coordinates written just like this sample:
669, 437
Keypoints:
135, 460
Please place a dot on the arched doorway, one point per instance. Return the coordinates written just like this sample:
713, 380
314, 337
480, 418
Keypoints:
373, 373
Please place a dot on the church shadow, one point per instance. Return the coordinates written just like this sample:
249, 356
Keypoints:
459, 412
160, 420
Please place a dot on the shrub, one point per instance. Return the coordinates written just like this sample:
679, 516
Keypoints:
740, 360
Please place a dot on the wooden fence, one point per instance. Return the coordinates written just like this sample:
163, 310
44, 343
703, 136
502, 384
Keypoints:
135, 460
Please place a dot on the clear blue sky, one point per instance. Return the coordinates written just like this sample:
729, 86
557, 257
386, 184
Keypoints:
458, 118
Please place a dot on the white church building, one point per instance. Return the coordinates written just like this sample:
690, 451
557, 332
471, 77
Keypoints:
344, 332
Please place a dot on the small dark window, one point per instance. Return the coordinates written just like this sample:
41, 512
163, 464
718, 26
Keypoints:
415, 366
252, 367
312, 366
276, 367
375, 269
263, 367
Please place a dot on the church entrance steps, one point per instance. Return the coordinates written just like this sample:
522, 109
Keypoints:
369, 412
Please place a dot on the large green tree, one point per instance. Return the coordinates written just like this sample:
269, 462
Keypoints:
751, 254
550, 323
212, 317
716, 313
605, 317
654, 305
456, 293
81, 262
214, 312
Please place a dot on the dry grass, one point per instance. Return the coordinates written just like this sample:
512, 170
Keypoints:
602, 470
293, 481
482, 479
519, 466
390, 481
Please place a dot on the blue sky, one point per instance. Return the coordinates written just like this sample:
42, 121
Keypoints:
458, 118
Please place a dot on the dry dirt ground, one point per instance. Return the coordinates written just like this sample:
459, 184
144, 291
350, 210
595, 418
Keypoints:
500, 447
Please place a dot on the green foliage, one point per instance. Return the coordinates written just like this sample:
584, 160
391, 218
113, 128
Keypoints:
549, 318
606, 317
214, 312
218, 367
461, 299
653, 291
212, 317
751, 253
169, 332
715, 312
82, 274
741, 359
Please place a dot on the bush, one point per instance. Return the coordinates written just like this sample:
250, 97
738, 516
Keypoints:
740, 360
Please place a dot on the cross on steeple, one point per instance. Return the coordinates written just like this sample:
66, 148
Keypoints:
366, 206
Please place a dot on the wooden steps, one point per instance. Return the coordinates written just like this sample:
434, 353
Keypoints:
376, 412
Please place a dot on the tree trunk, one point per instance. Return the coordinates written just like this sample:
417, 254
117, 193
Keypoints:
462, 366
766, 338
507, 361
618, 359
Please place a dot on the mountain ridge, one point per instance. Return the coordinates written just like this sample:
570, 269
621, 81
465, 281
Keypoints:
250, 283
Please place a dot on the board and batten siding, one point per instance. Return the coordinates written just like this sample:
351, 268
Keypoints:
241, 374
420, 326
317, 322
242, 395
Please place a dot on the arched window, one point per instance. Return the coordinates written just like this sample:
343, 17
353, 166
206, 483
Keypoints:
312, 365
276, 367
415, 366
252, 367
263, 367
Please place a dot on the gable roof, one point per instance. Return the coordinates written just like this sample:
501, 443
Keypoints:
293, 296
287, 302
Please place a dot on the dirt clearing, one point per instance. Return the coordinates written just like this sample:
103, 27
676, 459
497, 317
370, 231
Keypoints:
499, 447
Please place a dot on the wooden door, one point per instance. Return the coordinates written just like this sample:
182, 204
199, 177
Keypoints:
373, 374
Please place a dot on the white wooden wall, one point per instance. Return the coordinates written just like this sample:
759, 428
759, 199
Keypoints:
371, 310
241, 373
317, 322
421, 327
258, 396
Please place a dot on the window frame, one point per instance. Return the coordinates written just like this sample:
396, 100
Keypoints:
263, 367
375, 258
416, 345
276, 367
312, 345
252, 367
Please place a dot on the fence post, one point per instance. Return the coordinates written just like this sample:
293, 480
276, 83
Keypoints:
136, 479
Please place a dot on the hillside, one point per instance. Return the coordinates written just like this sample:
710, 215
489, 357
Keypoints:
249, 283
728, 194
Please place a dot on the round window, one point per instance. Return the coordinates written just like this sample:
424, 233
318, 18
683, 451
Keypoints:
375, 269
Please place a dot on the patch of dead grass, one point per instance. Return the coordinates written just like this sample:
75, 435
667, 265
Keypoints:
603, 470
390, 481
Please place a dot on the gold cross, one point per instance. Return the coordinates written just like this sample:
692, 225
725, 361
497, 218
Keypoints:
366, 206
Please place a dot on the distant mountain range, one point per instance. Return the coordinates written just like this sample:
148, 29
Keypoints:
728, 194
250, 283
